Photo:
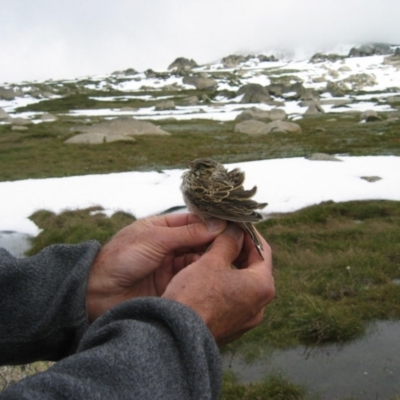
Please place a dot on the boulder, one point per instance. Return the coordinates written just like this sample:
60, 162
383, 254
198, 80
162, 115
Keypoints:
321, 157
233, 60
19, 128
190, 101
360, 81
48, 117
252, 127
320, 57
393, 99
97, 138
21, 121
261, 115
370, 49
3, 114
125, 126
182, 63
276, 89
370, 116
284, 126
371, 179
314, 109
7, 94
165, 105
199, 82
265, 58
254, 93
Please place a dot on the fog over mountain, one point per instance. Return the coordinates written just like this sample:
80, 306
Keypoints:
44, 39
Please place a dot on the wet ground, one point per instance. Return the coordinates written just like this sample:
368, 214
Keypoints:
16, 243
368, 368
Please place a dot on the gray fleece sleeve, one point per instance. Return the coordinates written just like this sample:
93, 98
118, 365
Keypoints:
145, 348
42, 302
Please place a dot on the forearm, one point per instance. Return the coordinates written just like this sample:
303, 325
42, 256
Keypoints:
147, 348
42, 302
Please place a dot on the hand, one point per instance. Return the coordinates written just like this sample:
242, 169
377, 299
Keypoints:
230, 301
141, 259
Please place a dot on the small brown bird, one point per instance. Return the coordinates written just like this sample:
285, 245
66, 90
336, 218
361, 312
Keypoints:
210, 190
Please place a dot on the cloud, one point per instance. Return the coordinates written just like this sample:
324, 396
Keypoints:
47, 39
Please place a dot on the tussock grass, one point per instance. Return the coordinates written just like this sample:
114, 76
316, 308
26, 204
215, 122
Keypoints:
273, 387
336, 266
76, 226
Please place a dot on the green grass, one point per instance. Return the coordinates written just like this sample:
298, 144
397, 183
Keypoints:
273, 387
40, 152
335, 267
76, 226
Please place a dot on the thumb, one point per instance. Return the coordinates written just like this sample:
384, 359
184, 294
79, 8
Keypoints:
226, 247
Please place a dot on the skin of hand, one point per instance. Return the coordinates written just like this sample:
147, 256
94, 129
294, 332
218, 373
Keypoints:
230, 300
141, 259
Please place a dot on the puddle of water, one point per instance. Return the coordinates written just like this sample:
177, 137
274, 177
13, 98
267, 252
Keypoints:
15, 242
368, 368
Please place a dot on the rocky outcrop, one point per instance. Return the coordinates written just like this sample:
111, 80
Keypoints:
183, 64
165, 105
261, 115
7, 94
321, 157
233, 60
199, 82
254, 93
370, 116
125, 126
3, 114
320, 57
253, 127
314, 109
370, 49
97, 138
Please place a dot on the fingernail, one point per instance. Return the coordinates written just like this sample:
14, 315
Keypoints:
215, 224
234, 231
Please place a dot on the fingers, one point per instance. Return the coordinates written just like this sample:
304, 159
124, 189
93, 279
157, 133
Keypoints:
187, 236
225, 247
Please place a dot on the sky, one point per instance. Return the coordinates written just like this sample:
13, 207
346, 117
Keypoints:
47, 39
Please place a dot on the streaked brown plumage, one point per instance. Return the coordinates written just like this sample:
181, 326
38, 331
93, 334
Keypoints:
210, 190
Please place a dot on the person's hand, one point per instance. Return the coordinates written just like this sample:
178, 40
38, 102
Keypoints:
230, 301
141, 259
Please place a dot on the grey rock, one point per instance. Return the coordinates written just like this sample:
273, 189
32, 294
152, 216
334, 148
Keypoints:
335, 102
19, 128
320, 57
190, 101
233, 60
337, 89
360, 81
314, 109
48, 117
97, 138
199, 82
182, 63
261, 115
371, 179
370, 116
265, 58
254, 93
393, 99
165, 105
370, 49
125, 126
276, 89
252, 127
20, 121
3, 114
7, 94
321, 157
284, 126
